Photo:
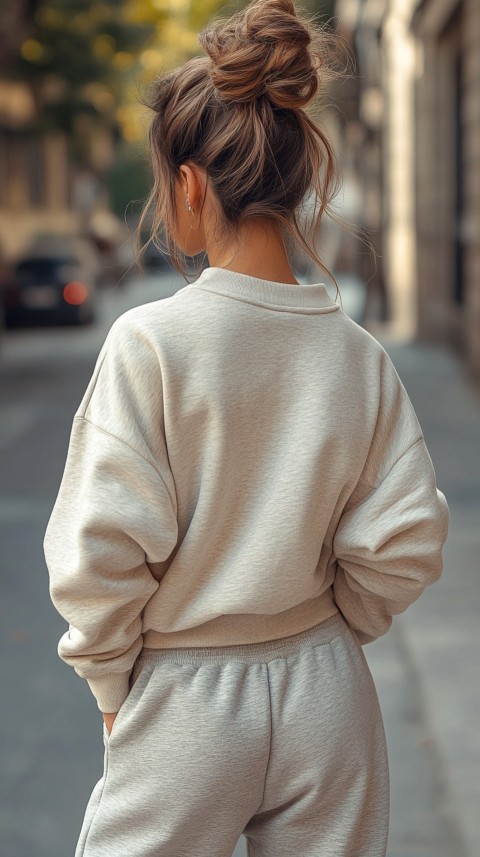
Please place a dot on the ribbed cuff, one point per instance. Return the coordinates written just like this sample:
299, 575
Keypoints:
110, 690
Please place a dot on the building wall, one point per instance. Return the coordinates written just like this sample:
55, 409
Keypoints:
471, 160
35, 188
429, 76
35, 174
398, 75
448, 174
41, 190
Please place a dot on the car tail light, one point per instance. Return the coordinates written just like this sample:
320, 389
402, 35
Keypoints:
75, 293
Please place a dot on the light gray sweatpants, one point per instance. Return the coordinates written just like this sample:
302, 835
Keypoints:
281, 740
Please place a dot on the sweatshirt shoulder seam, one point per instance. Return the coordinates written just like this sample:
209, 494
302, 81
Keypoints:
87, 399
129, 446
402, 455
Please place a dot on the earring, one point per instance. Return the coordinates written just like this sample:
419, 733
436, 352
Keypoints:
187, 205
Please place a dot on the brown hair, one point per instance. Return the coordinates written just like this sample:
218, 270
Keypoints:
239, 113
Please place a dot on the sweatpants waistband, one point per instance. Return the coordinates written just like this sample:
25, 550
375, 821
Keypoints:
269, 650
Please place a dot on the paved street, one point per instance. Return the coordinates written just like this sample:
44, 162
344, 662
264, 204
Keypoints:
426, 668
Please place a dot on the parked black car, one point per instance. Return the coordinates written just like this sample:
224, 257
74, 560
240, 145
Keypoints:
50, 286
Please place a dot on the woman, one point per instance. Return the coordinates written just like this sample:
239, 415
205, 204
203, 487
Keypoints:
247, 497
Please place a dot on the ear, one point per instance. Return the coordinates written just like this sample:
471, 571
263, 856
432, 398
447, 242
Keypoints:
192, 183
185, 179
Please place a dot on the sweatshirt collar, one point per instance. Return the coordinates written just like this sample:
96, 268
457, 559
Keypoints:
283, 296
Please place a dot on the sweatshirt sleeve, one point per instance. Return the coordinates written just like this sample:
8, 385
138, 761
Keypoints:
114, 514
389, 539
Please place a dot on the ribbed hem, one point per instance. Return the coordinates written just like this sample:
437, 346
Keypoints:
251, 653
110, 690
232, 630
287, 296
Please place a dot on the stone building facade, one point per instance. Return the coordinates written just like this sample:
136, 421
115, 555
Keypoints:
35, 176
448, 172
418, 63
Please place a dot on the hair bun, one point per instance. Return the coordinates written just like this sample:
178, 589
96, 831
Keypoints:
263, 51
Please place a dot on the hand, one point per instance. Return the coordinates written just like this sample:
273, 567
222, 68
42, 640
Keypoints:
109, 720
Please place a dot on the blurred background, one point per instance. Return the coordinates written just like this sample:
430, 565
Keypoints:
74, 171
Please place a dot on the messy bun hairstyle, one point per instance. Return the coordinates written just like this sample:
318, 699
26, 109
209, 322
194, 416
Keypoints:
240, 113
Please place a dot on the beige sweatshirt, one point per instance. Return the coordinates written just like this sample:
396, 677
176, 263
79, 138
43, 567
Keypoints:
245, 462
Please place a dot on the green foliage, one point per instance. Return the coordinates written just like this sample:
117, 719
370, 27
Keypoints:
201, 11
324, 9
70, 44
80, 57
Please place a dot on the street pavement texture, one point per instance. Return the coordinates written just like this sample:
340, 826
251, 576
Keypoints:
439, 635
425, 668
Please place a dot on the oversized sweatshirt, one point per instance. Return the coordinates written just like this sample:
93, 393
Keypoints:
244, 463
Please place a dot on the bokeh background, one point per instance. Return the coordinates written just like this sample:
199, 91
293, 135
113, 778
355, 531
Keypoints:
74, 171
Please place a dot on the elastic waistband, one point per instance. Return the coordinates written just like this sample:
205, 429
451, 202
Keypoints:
269, 650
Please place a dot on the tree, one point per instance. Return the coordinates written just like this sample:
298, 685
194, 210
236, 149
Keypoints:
73, 56
325, 8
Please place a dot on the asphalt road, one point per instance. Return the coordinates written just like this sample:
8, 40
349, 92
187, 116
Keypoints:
52, 751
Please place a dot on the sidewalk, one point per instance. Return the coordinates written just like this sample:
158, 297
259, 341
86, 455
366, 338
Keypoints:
440, 633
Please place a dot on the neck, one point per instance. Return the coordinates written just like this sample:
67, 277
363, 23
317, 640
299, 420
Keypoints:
259, 251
